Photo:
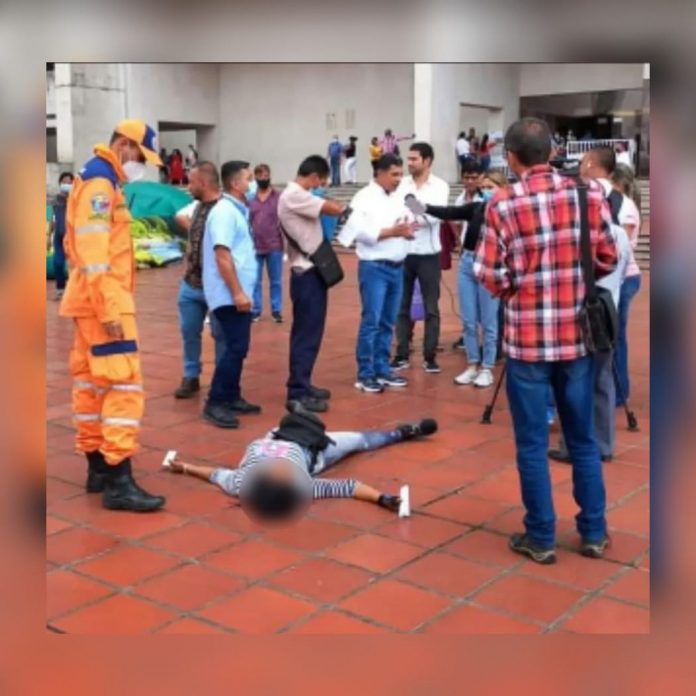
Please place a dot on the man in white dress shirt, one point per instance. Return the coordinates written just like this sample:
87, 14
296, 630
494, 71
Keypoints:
423, 260
381, 226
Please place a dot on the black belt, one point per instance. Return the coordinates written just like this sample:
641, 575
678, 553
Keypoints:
391, 264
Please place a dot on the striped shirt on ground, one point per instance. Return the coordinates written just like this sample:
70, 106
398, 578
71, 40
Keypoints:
230, 480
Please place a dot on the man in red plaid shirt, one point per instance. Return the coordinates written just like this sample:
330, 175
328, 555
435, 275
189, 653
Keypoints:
530, 257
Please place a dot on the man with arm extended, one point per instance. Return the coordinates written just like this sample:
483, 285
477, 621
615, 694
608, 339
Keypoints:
299, 213
229, 275
108, 397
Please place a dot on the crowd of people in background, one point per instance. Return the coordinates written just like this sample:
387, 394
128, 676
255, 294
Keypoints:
518, 254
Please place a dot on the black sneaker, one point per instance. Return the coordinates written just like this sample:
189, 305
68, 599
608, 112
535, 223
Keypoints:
244, 407
595, 549
459, 344
371, 386
277, 317
220, 415
425, 427
308, 403
189, 387
431, 366
392, 380
319, 393
559, 456
399, 364
521, 543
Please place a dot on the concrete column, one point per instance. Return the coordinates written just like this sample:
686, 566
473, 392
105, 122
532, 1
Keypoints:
422, 100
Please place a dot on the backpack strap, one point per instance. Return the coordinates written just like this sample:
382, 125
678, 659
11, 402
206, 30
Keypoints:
615, 199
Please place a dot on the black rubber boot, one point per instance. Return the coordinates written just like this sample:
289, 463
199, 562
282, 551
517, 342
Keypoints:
121, 492
96, 472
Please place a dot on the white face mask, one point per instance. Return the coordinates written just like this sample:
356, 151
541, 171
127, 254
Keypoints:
66, 188
133, 170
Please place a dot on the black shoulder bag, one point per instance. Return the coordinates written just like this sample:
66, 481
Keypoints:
599, 320
324, 259
305, 429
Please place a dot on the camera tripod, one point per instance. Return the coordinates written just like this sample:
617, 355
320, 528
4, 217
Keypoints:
631, 420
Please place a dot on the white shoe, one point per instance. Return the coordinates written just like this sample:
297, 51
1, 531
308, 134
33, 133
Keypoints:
468, 376
484, 379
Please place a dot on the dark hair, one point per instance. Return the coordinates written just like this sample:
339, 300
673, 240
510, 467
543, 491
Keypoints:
472, 167
424, 149
262, 168
66, 175
484, 139
314, 164
529, 139
386, 162
209, 170
114, 137
272, 500
605, 157
462, 134
230, 170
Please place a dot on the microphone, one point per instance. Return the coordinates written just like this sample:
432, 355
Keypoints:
414, 205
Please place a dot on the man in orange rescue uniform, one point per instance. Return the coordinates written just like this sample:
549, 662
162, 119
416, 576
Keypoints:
108, 398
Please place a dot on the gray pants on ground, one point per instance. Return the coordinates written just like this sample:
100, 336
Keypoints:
604, 405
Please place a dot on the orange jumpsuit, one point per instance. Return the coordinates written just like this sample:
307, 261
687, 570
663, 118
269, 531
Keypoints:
108, 397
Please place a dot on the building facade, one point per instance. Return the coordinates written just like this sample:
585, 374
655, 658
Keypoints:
280, 113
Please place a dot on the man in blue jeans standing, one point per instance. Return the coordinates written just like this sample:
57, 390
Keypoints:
204, 186
335, 153
268, 240
381, 225
229, 274
530, 257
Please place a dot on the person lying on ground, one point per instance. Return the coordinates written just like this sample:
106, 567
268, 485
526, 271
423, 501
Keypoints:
276, 482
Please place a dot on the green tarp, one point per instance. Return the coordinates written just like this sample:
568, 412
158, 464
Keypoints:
151, 199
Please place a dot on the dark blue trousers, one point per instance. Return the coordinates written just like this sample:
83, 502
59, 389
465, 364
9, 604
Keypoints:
236, 330
309, 297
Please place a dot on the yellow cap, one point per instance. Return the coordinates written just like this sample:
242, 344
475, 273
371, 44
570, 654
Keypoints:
144, 136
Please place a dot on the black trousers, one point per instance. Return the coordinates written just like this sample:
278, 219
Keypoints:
309, 297
427, 270
236, 328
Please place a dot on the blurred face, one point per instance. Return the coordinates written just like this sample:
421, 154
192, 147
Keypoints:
126, 150
416, 164
488, 188
588, 168
263, 179
196, 185
390, 179
316, 181
240, 183
471, 181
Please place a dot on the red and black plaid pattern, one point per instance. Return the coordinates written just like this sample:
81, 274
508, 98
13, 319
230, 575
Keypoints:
529, 256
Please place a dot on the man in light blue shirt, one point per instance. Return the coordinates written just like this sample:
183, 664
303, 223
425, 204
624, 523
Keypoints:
229, 275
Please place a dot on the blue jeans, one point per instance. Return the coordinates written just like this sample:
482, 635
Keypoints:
351, 442
477, 306
528, 389
192, 311
381, 285
309, 304
59, 261
629, 289
335, 171
274, 262
236, 328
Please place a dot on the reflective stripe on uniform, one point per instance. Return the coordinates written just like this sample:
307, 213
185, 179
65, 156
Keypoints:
86, 416
96, 268
134, 422
81, 384
127, 387
85, 229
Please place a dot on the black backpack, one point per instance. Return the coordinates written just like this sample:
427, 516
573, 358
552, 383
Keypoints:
305, 429
615, 200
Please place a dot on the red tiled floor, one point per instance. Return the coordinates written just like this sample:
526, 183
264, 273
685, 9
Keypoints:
632, 586
258, 610
189, 587
127, 565
334, 623
603, 615
529, 597
374, 553
573, 569
252, 559
322, 579
74, 544
448, 574
464, 477
113, 616
476, 620
66, 591
396, 604
190, 627
192, 540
